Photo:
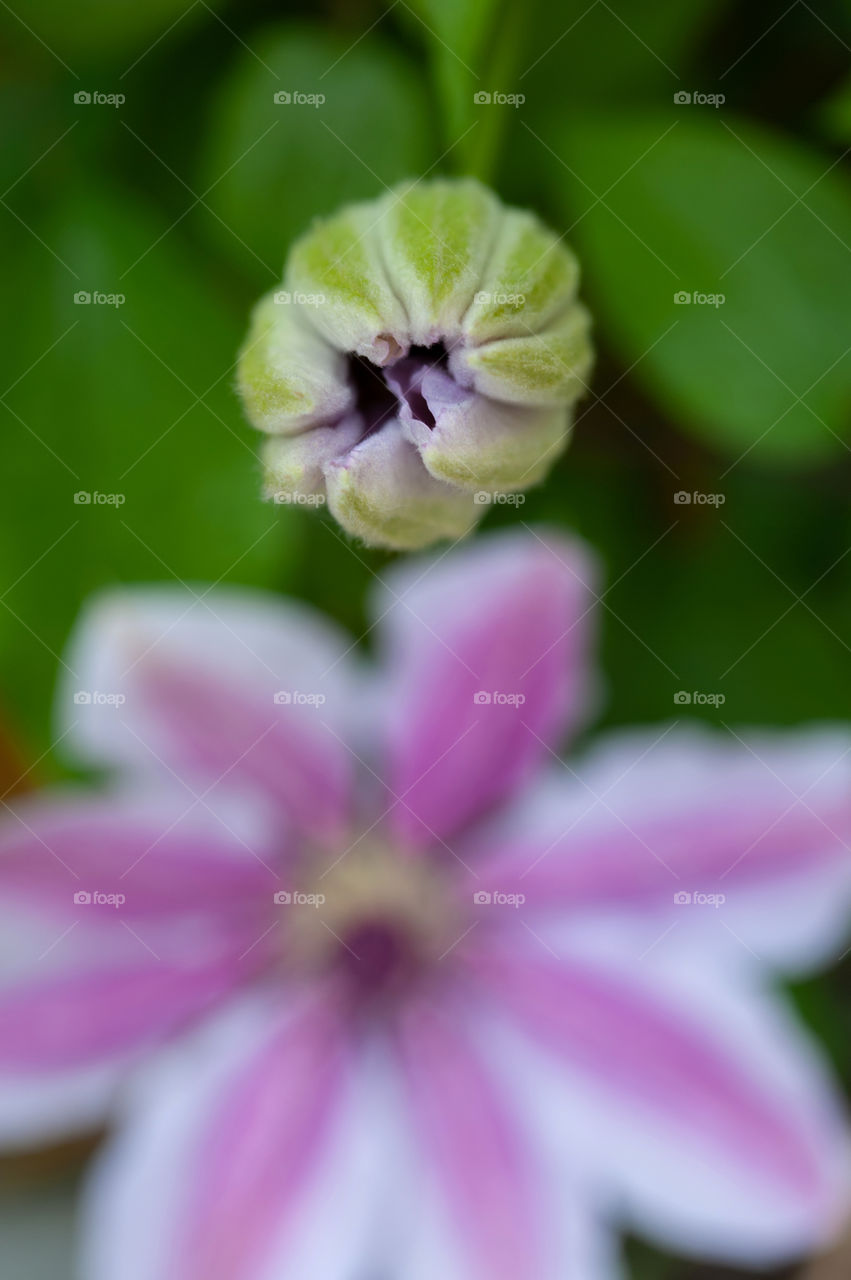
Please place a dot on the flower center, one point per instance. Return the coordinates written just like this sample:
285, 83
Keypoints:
376, 956
377, 918
382, 394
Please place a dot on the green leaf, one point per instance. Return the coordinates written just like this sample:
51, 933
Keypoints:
463, 25
105, 400
696, 202
474, 48
613, 53
271, 167
748, 598
835, 114
76, 36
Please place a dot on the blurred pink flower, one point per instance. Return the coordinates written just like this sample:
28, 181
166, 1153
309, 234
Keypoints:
439, 1004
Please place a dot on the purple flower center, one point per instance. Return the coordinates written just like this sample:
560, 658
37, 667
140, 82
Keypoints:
376, 918
376, 957
397, 390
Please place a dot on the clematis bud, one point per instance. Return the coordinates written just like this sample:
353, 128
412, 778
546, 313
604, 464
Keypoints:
428, 346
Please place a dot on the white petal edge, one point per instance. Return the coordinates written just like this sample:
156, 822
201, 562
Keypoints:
652, 1178
260, 642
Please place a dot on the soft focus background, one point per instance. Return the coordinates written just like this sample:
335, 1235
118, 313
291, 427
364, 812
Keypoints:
697, 156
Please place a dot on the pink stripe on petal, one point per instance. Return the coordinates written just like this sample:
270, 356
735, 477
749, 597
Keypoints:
157, 864
464, 1127
652, 1057
645, 861
260, 1147
224, 734
487, 667
66, 1022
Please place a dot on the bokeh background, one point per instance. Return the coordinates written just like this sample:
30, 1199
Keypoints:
695, 154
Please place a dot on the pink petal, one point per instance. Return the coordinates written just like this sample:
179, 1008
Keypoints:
214, 730
675, 820
220, 689
657, 1060
463, 1125
487, 660
62, 1023
259, 1147
294, 1180
630, 865
158, 853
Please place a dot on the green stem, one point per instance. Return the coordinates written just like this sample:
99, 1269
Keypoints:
499, 70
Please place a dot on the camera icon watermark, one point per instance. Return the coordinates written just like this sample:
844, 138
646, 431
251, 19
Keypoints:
682, 698
295, 698
94, 898
288, 898
291, 498
684, 498
486, 98
488, 698
285, 298
84, 98
495, 497
485, 299
684, 899
94, 698
682, 98
695, 298
295, 98
86, 298
89, 498
484, 898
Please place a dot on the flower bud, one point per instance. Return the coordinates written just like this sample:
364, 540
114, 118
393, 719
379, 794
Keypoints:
427, 345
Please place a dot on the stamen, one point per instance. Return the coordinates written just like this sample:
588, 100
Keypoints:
376, 917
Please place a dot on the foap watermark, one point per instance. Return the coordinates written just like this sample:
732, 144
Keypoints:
291, 898
695, 98
96, 298
94, 498
694, 298
684, 498
485, 299
697, 699
495, 898
292, 498
94, 98
684, 899
295, 698
94, 898
484, 497
297, 98
94, 698
285, 298
496, 698
495, 97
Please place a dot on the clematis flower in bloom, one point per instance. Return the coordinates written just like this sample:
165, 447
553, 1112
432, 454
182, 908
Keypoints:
422, 357
377, 986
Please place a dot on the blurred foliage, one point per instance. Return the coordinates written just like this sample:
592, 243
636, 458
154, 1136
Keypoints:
836, 114
131, 402
184, 198
717, 209
94, 31
271, 167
